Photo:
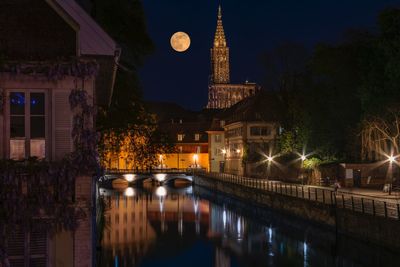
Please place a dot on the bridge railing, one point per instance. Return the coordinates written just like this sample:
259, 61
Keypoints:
328, 196
152, 171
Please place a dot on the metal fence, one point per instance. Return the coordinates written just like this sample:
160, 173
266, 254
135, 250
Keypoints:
328, 196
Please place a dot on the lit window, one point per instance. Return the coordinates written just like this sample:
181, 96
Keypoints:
27, 123
260, 131
180, 137
197, 137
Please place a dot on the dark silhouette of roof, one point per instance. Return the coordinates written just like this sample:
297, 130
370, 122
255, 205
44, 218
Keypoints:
264, 106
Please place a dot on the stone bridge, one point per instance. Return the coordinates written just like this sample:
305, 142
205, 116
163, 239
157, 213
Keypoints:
158, 176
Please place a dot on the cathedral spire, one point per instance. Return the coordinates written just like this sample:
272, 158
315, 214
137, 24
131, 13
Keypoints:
220, 54
219, 39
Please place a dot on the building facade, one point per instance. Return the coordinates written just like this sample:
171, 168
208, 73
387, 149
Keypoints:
221, 92
250, 130
191, 146
48, 48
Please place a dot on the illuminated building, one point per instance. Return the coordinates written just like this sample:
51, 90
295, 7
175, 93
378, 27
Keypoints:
221, 92
249, 128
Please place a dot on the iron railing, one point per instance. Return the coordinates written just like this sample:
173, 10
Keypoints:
328, 196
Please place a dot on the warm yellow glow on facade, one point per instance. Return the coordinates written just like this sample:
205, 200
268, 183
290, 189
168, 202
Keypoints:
185, 160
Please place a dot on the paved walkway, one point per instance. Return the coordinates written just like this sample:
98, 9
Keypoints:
364, 192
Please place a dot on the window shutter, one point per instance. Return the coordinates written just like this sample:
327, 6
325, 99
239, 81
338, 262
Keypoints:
62, 144
38, 248
16, 249
28, 249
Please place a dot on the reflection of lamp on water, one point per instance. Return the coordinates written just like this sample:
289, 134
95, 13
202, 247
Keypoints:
305, 250
161, 191
129, 192
239, 229
224, 219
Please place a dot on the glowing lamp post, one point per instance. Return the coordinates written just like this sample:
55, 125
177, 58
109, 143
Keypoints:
392, 161
302, 158
223, 151
161, 161
195, 159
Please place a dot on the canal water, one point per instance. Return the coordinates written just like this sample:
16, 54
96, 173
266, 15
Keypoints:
192, 226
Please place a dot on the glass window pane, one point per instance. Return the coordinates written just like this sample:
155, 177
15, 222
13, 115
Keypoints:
38, 148
38, 127
17, 126
37, 103
17, 149
17, 103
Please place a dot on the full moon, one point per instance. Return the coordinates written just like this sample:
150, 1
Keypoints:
180, 41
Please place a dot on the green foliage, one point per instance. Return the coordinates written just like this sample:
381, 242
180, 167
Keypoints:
293, 141
126, 127
311, 163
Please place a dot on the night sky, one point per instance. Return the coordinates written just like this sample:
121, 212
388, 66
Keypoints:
251, 27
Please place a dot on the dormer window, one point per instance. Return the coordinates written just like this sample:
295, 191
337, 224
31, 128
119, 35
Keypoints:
180, 137
197, 137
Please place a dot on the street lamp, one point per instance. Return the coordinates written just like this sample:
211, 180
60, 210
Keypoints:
303, 158
195, 159
161, 161
392, 160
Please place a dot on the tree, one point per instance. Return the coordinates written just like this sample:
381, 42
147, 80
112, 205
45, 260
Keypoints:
381, 136
128, 131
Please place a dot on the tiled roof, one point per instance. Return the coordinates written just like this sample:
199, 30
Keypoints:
188, 130
263, 106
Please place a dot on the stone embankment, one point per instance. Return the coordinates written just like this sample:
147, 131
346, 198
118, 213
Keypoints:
366, 220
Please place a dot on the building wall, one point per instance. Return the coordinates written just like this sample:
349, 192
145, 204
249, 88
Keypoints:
185, 160
222, 96
216, 150
46, 36
58, 114
238, 137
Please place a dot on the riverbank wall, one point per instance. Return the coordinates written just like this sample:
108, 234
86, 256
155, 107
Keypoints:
376, 230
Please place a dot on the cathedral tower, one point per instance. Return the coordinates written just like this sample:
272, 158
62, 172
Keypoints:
220, 54
221, 93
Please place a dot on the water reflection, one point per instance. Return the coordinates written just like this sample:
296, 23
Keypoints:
161, 226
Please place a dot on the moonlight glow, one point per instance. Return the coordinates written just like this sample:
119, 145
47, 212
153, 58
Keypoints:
180, 41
